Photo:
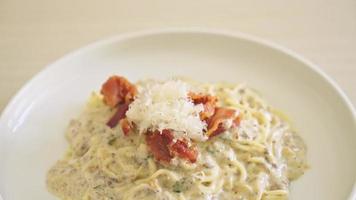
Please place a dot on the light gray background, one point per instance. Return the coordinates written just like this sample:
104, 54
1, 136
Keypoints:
35, 33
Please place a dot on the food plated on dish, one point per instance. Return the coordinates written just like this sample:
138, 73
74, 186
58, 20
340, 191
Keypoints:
32, 126
178, 139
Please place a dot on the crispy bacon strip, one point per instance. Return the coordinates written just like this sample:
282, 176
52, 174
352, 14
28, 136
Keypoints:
119, 114
164, 149
218, 131
158, 144
181, 149
126, 126
236, 122
215, 123
208, 101
117, 90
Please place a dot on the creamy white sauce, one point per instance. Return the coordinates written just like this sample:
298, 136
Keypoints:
255, 161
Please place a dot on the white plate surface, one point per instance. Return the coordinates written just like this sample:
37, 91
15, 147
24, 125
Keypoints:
32, 126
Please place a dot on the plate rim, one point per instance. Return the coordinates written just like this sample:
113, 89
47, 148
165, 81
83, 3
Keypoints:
232, 34
190, 30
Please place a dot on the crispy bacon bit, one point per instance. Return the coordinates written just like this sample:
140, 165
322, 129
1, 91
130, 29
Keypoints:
218, 131
117, 90
119, 114
214, 116
236, 122
208, 101
181, 149
215, 123
164, 149
158, 144
125, 125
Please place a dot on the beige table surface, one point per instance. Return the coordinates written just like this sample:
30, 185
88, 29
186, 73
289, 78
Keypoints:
37, 32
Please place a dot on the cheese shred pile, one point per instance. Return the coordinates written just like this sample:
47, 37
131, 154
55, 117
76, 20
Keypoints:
166, 105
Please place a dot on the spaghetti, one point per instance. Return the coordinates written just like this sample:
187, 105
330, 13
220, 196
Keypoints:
255, 160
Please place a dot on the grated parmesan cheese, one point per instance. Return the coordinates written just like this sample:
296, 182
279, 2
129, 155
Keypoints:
165, 105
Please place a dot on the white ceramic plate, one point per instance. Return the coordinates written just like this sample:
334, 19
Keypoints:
32, 126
